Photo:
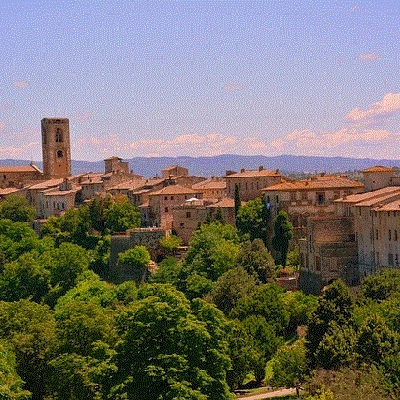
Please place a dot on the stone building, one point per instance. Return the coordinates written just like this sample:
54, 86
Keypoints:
212, 188
309, 197
251, 182
56, 148
328, 252
162, 202
188, 216
378, 177
19, 175
174, 171
116, 165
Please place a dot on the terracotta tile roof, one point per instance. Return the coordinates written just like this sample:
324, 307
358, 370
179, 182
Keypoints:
357, 198
61, 192
18, 168
9, 190
129, 185
255, 173
392, 206
316, 183
379, 168
46, 184
226, 202
112, 158
174, 189
211, 183
372, 201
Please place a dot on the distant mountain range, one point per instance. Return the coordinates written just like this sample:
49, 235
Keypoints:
217, 165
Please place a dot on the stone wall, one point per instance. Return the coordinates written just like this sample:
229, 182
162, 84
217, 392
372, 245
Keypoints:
148, 237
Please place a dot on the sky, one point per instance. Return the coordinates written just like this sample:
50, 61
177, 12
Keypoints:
202, 78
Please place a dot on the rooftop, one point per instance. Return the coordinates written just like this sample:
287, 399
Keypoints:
317, 183
255, 173
19, 168
174, 189
211, 183
379, 168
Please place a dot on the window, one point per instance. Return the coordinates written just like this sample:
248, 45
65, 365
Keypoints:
376, 234
390, 234
166, 209
320, 198
377, 258
304, 195
59, 135
165, 197
292, 196
172, 197
182, 224
318, 263
396, 260
390, 260
188, 214
59, 154
395, 234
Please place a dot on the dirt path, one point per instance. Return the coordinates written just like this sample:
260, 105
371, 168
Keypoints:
269, 395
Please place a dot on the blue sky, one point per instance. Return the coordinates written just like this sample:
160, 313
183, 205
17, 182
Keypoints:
146, 78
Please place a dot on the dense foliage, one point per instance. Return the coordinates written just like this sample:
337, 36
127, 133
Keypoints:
196, 330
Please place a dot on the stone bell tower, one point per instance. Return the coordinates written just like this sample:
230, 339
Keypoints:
56, 148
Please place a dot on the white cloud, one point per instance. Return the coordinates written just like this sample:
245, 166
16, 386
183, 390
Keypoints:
368, 56
377, 112
364, 136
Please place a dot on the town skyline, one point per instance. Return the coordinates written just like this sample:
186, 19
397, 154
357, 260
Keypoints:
202, 79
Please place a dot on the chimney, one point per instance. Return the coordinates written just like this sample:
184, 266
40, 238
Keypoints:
242, 170
260, 168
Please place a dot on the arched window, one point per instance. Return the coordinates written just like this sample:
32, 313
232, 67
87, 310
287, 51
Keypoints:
59, 135
59, 154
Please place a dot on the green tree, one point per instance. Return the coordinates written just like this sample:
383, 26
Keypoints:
376, 341
381, 285
17, 209
10, 382
265, 342
283, 232
121, 215
138, 257
69, 261
230, 287
265, 301
27, 277
299, 306
170, 348
212, 251
251, 220
170, 244
168, 271
336, 304
257, 261
289, 366
30, 328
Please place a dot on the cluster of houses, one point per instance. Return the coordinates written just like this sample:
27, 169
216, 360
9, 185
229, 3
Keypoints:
344, 228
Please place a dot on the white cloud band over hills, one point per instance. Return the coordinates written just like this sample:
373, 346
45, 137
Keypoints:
364, 133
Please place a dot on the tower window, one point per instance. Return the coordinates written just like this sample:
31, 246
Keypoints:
59, 135
59, 154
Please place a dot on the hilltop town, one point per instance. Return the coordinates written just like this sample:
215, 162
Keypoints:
344, 228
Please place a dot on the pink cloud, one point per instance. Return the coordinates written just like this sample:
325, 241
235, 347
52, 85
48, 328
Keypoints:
83, 116
21, 84
368, 56
233, 87
386, 108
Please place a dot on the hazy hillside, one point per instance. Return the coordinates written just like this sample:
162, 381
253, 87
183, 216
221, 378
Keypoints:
209, 166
